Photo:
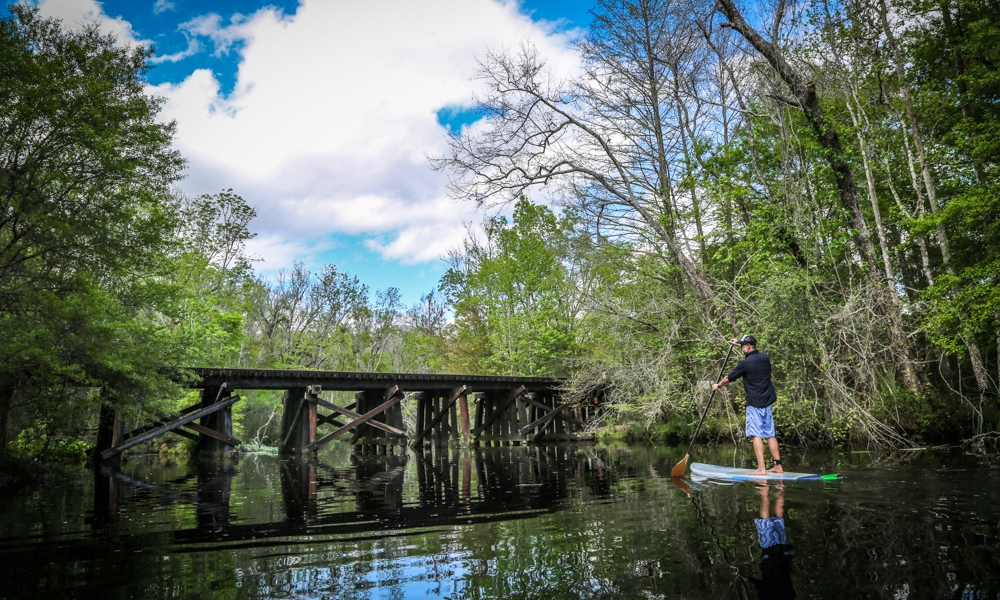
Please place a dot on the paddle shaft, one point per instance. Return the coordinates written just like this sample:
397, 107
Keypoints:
707, 406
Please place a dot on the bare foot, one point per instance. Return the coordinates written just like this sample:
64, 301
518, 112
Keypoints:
776, 469
760, 471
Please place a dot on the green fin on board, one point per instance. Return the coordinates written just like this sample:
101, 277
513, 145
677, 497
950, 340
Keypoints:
827, 477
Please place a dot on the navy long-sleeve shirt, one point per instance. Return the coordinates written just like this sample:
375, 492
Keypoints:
755, 370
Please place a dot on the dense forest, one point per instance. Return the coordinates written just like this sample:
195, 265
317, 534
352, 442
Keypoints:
825, 176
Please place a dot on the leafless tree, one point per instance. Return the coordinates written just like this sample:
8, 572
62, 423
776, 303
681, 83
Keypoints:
615, 141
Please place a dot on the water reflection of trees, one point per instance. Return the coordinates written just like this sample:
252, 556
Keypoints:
506, 522
453, 486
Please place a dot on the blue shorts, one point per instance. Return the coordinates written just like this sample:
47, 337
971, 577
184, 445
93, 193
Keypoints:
760, 423
770, 531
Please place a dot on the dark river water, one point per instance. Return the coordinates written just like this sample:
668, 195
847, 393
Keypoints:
576, 521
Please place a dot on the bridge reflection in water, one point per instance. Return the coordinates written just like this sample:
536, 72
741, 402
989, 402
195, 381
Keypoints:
367, 498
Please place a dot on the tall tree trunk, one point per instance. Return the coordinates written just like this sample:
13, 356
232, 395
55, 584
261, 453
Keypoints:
850, 97
982, 379
684, 121
978, 367
918, 138
662, 170
921, 240
925, 260
808, 102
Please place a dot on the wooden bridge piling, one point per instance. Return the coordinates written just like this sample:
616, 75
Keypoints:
220, 421
298, 417
110, 430
506, 411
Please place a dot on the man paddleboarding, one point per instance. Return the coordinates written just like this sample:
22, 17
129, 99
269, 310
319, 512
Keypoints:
755, 370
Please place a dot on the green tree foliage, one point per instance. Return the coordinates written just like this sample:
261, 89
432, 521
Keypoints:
824, 176
514, 293
85, 219
956, 71
827, 171
216, 276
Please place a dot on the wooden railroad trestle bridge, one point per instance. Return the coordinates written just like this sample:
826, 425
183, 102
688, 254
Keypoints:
507, 411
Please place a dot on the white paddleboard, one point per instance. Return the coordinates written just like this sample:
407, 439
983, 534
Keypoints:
717, 472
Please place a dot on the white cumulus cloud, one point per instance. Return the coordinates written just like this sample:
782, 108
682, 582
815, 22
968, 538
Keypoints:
333, 114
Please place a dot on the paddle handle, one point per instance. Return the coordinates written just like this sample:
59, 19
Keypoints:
707, 406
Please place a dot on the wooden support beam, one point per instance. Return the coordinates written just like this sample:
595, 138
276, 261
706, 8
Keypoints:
328, 420
185, 434
514, 395
311, 413
503, 422
394, 396
463, 409
480, 399
544, 420
227, 439
364, 403
452, 418
421, 400
353, 415
109, 429
224, 403
548, 408
522, 413
455, 395
291, 438
162, 420
442, 432
220, 421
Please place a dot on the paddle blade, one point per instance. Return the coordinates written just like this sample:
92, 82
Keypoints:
681, 485
680, 468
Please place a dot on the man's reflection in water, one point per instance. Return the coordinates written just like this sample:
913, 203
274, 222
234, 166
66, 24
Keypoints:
776, 565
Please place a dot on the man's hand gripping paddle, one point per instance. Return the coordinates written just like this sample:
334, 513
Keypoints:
681, 467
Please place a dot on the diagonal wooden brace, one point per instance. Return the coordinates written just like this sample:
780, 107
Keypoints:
170, 426
350, 413
195, 427
394, 395
163, 420
213, 434
542, 422
455, 395
566, 418
330, 419
514, 395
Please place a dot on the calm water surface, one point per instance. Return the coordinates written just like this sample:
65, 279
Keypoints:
553, 522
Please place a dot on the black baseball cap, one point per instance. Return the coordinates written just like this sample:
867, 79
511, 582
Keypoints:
748, 339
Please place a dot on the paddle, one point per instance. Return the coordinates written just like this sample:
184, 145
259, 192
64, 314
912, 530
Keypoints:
681, 467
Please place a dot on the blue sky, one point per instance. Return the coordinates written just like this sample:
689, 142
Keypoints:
321, 113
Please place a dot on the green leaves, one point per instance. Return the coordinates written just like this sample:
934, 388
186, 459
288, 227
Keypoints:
85, 217
515, 293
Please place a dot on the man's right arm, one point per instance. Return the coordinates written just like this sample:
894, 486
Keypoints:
736, 374
738, 371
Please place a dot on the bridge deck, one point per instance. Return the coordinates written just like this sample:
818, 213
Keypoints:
281, 379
